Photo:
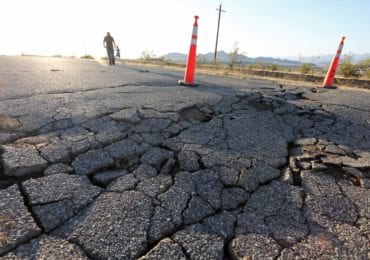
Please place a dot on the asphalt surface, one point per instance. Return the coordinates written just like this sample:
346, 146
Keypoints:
119, 162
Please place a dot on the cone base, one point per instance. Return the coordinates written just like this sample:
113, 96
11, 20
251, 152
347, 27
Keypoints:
331, 87
183, 83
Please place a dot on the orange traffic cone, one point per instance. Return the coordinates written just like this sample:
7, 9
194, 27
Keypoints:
329, 79
192, 57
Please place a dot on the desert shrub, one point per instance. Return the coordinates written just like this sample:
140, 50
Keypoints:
347, 69
273, 67
257, 65
233, 55
87, 56
147, 55
306, 68
364, 66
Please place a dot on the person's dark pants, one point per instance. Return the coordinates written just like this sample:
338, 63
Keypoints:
110, 53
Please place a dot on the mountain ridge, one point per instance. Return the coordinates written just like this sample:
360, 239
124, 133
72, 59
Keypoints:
223, 57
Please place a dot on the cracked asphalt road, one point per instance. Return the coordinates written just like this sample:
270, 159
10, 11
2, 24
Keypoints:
121, 163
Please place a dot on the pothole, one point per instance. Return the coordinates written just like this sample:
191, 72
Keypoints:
260, 106
194, 113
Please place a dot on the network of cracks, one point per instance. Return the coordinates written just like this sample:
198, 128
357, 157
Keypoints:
261, 174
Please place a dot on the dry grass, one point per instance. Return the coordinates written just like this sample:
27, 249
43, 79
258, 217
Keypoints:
241, 74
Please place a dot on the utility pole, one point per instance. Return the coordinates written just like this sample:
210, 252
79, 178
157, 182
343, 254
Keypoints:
218, 29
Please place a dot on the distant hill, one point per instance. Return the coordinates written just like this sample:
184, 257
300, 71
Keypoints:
223, 57
175, 56
282, 62
325, 59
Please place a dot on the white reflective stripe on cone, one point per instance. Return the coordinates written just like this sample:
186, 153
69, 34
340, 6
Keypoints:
339, 51
195, 30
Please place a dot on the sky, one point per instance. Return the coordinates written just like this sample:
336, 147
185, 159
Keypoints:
274, 28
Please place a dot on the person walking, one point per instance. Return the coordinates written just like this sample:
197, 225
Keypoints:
109, 44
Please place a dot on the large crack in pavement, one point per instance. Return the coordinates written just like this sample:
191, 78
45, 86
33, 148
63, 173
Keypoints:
21, 98
238, 176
